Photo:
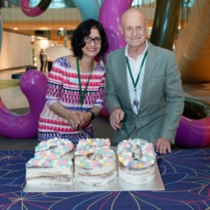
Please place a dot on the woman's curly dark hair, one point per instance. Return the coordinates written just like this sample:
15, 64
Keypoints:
82, 31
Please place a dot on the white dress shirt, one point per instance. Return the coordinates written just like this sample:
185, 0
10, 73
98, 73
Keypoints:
135, 68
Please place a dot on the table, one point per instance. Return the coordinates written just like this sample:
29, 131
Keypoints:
185, 174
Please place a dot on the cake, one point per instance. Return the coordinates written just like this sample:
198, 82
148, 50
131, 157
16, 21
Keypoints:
136, 161
95, 162
52, 163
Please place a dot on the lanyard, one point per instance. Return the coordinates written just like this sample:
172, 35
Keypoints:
82, 93
131, 75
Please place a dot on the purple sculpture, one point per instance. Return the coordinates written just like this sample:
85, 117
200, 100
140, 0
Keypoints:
110, 14
35, 11
1, 31
33, 84
111, 23
194, 126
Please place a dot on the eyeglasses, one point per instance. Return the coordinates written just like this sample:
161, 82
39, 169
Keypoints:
96, 40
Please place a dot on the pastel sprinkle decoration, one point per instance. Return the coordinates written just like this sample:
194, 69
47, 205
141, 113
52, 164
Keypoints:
52, 153
48, 163
90, 147
125, 156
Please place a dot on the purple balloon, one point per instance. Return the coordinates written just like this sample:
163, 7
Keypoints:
33, 84
35, 11
109, 16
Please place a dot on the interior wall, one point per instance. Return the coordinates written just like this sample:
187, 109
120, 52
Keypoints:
16, 51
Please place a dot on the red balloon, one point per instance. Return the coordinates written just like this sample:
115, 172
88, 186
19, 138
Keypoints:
104, 113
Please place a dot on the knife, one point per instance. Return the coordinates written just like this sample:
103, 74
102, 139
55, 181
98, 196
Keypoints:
127, 133
131, 133
83, 132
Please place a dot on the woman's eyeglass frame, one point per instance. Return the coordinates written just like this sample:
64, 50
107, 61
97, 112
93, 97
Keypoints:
96, 40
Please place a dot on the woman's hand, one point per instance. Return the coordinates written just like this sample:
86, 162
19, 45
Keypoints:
84, 118
73, 119
77, 118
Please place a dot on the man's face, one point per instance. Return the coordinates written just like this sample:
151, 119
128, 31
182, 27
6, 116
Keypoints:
134, 29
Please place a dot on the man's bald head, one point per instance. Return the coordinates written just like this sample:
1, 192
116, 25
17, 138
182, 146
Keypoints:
132, 12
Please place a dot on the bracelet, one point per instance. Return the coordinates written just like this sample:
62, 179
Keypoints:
92, 115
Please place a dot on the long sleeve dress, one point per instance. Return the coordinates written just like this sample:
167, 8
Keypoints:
63, 87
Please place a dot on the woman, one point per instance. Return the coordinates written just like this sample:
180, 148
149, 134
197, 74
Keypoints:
75, 92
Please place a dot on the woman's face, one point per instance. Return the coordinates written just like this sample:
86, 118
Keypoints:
93, 43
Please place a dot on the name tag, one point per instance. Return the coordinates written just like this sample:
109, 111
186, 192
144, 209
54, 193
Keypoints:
74, 80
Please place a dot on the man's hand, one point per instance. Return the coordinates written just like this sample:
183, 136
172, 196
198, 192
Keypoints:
116, 118
162, 146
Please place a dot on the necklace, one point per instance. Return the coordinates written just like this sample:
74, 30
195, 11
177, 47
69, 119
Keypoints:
135, 101
81, 92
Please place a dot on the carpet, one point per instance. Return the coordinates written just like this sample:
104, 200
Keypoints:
185, 174
9, 83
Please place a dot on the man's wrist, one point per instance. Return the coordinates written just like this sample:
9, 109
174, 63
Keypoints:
116, 108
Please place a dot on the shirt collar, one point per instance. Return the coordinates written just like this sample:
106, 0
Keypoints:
126, 51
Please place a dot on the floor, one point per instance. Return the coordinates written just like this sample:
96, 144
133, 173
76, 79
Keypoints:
16, 101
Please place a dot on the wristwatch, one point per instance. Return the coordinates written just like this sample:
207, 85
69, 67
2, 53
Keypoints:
92, 115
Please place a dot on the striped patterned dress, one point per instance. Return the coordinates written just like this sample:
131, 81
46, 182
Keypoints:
63, 87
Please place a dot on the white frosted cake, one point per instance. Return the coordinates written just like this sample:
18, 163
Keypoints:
95, 162
137, 161
52, 163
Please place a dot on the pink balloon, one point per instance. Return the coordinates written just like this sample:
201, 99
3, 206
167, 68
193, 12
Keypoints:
109, 16
35, 11
33, 84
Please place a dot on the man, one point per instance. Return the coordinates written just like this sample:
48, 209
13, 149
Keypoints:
143, 88
41, 57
